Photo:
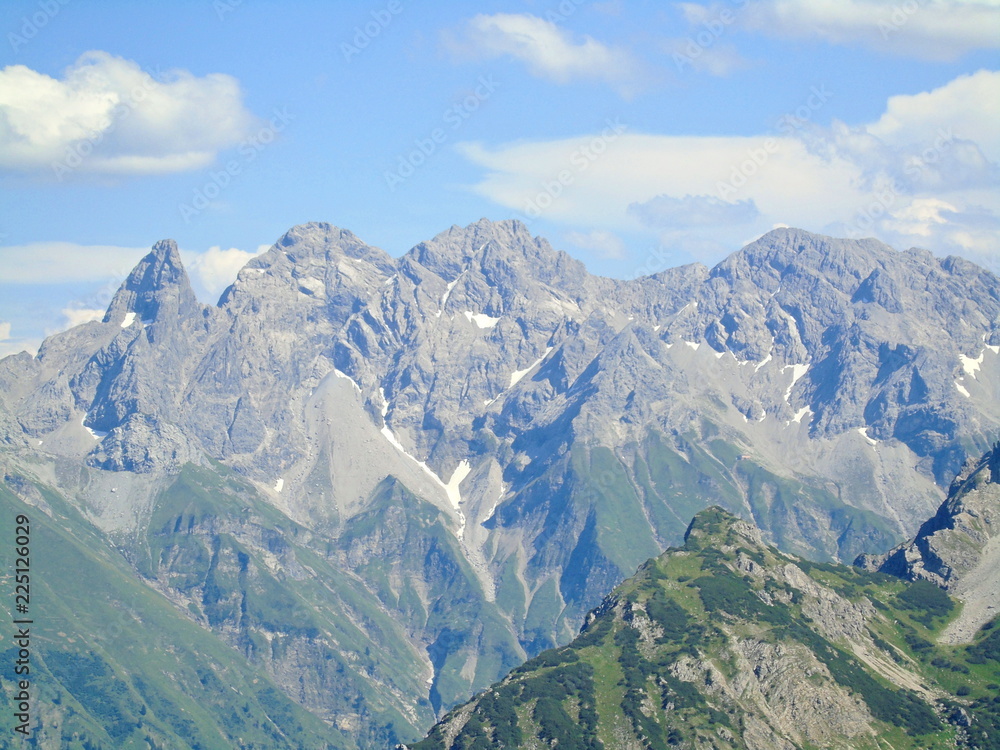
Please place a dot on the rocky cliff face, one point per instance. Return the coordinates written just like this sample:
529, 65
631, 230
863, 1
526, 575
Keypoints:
727, 643
959, 548
481, 432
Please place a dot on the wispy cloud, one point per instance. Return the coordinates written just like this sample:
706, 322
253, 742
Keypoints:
921, 174
106, 115
925, 29
547, 50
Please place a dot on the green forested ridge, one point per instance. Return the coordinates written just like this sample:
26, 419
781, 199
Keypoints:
667, 661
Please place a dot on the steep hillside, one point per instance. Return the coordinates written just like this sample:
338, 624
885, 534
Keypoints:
728, 643
959, 548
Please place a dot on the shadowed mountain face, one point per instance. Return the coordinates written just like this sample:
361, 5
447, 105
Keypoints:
725, 642
479, 439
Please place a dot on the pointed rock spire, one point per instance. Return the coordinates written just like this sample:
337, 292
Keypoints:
157, 285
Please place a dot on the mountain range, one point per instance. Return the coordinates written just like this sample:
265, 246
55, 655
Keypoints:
371, 486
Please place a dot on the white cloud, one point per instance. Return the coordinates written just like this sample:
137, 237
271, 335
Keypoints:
4, 331
897, 179
601, 242
59, 262
793, 181
215, 269
548, 50
967, 107
926, 29
107, 115
75, 316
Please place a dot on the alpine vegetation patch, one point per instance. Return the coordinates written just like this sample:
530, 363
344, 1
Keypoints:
248, 151
454, 117
31, 25
577, 163
363, 35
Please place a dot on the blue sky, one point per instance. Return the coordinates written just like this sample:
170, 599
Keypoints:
634, 135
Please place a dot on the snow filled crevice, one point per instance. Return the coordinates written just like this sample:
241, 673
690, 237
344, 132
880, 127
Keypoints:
763, 362
863, 432
797, 372
129, 319
793, 326
963, 390
518, 374
279, 485
451, 487
96, 434
447, 294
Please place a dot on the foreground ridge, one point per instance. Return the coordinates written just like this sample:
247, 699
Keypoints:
726, 642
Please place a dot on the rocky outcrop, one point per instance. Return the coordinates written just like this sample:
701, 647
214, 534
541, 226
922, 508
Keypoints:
959, 548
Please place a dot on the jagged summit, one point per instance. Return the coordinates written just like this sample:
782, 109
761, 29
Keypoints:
503, 249
157, 283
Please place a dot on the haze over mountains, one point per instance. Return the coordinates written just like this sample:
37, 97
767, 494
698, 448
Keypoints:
375, 485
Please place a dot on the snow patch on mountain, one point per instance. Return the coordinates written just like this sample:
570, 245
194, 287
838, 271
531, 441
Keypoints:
345, 376
797, 372
518, 374
480, 319
972, 366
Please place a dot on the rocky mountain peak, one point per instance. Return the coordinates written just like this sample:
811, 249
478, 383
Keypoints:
157, 283
717, 527
502, 249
